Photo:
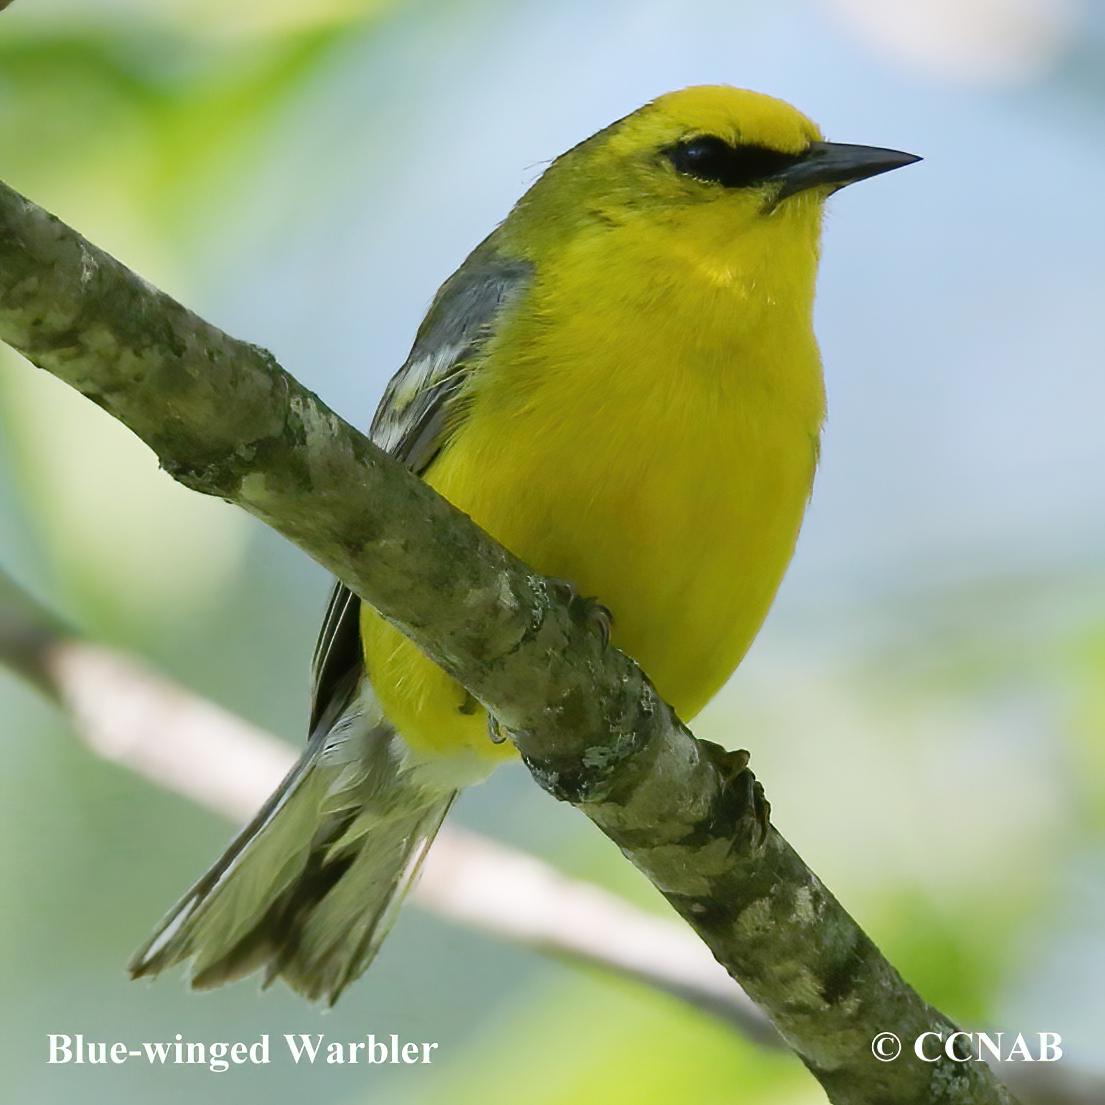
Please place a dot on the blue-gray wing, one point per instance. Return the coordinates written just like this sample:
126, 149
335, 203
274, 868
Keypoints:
421, 407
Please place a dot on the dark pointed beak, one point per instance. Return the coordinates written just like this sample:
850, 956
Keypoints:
836, 164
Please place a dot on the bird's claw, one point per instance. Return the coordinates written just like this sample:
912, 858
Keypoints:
742, 791
495, 731
585, 609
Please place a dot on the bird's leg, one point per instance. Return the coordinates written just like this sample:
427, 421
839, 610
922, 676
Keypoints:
588, 611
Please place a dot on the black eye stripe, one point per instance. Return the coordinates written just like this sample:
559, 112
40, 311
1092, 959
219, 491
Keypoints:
709, 158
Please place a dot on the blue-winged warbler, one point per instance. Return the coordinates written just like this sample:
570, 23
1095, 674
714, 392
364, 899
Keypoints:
621, 384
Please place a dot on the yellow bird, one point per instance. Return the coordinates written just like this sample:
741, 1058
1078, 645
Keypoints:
621, 384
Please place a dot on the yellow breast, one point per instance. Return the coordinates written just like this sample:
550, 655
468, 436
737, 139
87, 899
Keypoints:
665, 472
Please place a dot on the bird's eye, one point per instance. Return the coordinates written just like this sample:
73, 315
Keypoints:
712, 159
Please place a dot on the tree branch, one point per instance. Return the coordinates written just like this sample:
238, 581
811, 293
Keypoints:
225, 419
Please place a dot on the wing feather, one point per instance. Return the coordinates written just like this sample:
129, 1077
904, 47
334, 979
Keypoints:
422, 405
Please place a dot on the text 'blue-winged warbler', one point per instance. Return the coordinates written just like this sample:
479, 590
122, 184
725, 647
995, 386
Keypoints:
621, 384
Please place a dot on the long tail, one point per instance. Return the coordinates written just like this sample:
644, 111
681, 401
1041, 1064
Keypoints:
310, 887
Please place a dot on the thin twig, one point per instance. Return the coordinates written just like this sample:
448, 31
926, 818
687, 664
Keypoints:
126, 713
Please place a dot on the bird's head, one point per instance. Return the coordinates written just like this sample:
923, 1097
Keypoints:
724, 166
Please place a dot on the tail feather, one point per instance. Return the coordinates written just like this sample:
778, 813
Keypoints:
310, 887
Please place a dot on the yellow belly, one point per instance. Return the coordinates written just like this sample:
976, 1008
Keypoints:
678, 506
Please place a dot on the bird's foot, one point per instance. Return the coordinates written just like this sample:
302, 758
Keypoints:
586, 610
495, 731
742, 792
